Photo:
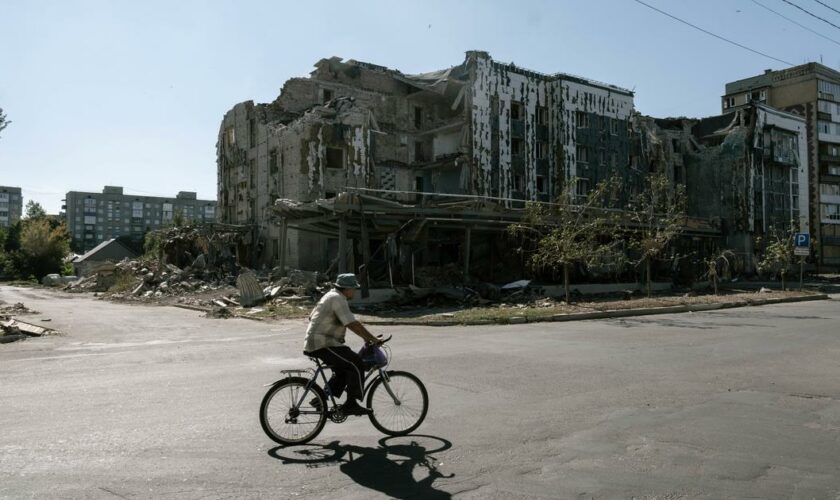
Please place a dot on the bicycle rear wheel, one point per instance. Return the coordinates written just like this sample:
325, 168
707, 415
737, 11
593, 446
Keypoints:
286, 418
399, 402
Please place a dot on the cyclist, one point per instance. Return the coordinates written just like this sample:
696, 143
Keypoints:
328, 322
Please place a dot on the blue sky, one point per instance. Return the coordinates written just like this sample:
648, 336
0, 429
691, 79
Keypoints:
132, 93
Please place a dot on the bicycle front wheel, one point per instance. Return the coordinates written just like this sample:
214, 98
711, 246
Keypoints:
399, 402
290, 417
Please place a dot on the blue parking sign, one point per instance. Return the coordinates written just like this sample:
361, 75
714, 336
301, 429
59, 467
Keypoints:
802, 240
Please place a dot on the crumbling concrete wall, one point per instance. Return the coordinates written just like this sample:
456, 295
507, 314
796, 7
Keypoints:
480, 128
528, 130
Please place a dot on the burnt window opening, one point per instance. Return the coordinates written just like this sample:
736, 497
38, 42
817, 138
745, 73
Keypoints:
419, 151
542, 115
252, 132
335, 158
518, 183
582, 187
541, 184
602, 156
542, 150
614, 126
604, 121
329, 194
418, 117
272, 162
516, 146
327, 96
675, 144
582, 119
515, 110
582, 154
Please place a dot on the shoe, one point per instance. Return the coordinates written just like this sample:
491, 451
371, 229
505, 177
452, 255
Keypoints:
353, 408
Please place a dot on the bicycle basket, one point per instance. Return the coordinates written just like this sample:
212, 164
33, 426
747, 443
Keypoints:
373, 356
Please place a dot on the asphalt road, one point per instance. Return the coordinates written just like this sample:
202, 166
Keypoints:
159, 402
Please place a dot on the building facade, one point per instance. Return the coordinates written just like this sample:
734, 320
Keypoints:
811, 91
96, 217
481, 128
11, 205
745, 171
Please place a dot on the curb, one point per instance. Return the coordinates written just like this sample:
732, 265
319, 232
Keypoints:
619, 313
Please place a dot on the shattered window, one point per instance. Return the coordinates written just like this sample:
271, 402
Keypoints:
582, 154
515, 110
518, 183
542, 150
418, 117
540, 184
582, 119
542, 115
516, 146
335, 158
582, 187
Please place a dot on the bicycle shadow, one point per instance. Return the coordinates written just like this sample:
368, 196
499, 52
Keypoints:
374, 468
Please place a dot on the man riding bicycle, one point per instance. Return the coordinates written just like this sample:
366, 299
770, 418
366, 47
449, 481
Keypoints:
328, 322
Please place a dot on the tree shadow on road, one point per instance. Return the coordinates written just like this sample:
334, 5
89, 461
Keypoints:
388, 468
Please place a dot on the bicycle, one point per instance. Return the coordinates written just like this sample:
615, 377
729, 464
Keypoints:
295, 410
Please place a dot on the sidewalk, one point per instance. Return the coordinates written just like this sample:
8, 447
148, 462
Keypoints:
449, 318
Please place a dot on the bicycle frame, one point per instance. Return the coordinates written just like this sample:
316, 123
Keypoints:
321, 368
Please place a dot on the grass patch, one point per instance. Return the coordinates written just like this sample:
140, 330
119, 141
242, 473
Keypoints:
280, 311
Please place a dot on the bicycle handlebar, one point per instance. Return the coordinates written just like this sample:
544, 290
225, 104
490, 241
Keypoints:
382, 341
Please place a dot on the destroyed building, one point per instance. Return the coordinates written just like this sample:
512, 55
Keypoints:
811, 91
745, 171
457, 147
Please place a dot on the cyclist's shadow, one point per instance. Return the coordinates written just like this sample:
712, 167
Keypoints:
373, 467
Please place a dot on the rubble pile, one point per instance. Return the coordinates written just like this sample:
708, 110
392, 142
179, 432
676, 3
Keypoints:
12, 330
15, 309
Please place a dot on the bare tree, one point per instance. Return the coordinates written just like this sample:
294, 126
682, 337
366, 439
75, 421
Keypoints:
574, 230
718, 265
778, 255
656, 215
4, 122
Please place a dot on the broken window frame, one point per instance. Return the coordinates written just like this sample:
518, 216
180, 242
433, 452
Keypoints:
541, 188
542, 150
516, 110
331, 155
581, 119
542, 116
230, 135
418, 117
582, 153
517, 146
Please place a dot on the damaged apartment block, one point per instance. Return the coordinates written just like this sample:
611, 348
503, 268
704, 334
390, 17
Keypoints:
745, 171
414, 178
484, 133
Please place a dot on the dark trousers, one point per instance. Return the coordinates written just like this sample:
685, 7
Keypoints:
348, 370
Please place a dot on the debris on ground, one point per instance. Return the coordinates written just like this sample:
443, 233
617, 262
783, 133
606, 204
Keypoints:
15, 309
12, 330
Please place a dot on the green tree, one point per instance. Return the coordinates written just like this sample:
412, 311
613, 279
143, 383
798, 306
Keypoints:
778, 256
574, 230
34, 210
656, 215
42, 248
